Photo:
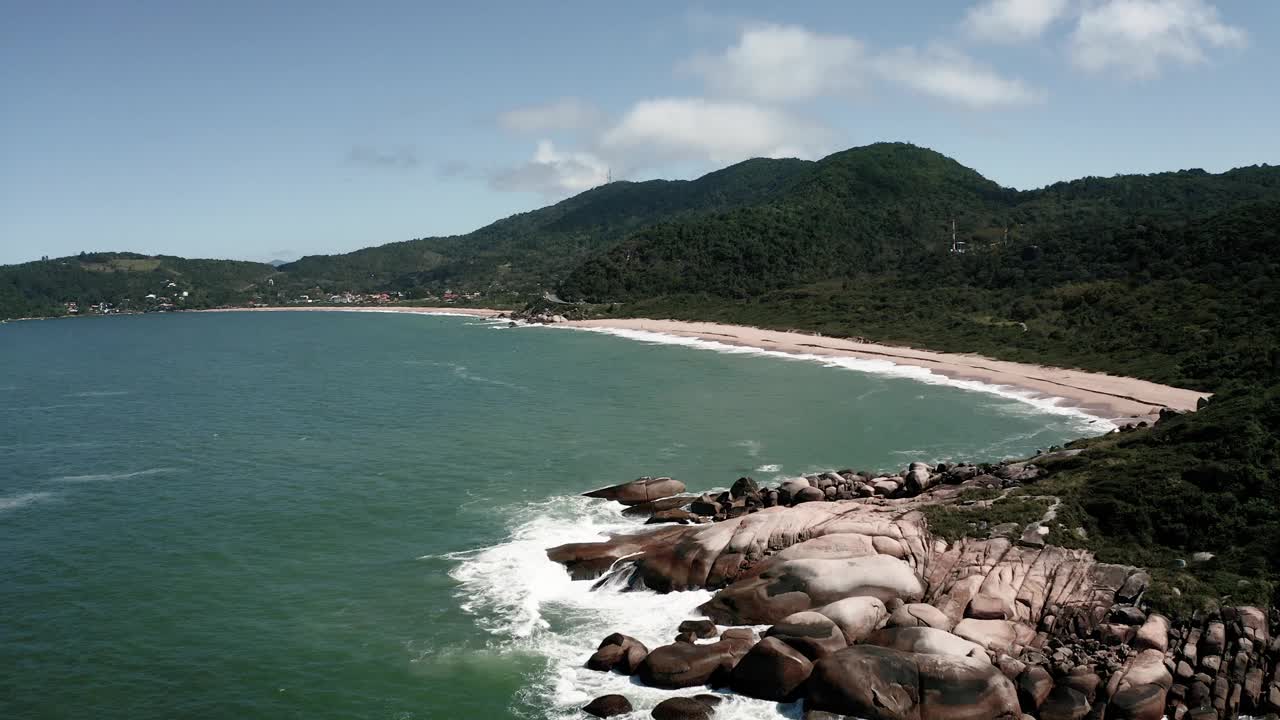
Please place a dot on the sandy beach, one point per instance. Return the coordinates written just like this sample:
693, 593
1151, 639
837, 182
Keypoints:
1112, 397
1101, 395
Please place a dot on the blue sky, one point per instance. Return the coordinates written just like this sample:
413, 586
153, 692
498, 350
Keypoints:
264, 130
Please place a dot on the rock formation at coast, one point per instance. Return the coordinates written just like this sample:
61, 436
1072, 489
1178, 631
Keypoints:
870, 615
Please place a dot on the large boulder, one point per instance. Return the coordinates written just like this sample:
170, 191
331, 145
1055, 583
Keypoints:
1034, 685
1065, 703
857, 617
918, 479
1140, 688
744, 487
927, 641
700, 628
682, 665
653, 506
590, 560
620, 653
809, 494
878, 683
812, 634
772, 670
920, 615
995, 635
794, 585
641, 490
1153, 635
674, 515
608, 706
682, 708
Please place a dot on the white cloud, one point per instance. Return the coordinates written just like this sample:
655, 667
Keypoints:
562, 114
780, 63
1135, 37
554, 173
720, 132
954, 78
1013, 20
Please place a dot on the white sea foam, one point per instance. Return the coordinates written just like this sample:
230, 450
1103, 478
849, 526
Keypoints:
13, 502
529, 604
102, 477
769, 468
1051, 405
463, 373
99, 393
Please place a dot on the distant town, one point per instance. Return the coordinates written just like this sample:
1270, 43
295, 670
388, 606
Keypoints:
169, 297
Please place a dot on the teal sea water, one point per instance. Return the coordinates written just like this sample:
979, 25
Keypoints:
336, 515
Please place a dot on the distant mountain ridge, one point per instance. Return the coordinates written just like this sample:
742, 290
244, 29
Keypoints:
889, 241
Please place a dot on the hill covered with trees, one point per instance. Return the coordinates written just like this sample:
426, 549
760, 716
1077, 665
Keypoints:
44, 288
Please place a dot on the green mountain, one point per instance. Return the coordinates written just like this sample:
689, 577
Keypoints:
1170, 276
124, 280
532, 250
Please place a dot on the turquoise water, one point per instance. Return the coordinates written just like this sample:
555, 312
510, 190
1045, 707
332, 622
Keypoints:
332, 515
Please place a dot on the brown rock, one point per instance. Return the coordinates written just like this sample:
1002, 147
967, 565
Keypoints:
1064, 703
812, 634
772, 670
1253, 690
1153, 635
794, 585
642, 490
1115, 634
1214, 640
674, 515
1034, 685
882, 684
809, 494
1084, 681
927, 641
653, 506
700, 628
608, 706
681, 708
618, 652
856, 617
920, 615
682, 665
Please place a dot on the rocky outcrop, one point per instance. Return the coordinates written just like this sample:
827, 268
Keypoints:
682, 708
620, 653
682, 665
641, 490
772, 670
874, 617
878, 683
608, 706
812, 634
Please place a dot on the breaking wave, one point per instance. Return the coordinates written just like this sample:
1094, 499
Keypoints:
102, 477
530, 605
21, 500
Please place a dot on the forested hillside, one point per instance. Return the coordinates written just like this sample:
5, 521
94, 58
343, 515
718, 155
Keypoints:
124, 280
534, 249
1171, 276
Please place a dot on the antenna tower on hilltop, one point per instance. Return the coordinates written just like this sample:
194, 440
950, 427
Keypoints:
957, 246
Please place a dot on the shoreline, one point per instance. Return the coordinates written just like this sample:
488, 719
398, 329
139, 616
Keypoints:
1114, 398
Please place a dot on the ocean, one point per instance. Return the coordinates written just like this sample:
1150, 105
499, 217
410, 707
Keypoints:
338, 515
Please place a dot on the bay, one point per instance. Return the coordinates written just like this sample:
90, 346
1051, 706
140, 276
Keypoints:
331, 515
